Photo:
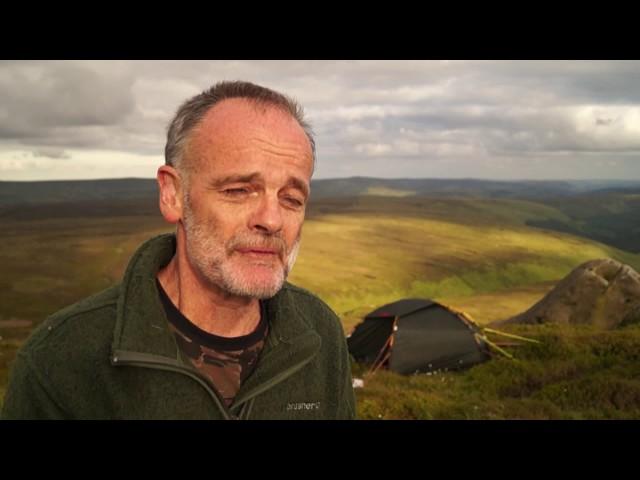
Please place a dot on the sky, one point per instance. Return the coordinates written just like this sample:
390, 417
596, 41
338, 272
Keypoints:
504, 120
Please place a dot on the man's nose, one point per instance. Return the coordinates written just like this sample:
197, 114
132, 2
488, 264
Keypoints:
267, 217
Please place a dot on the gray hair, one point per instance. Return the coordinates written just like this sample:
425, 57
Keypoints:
193, 110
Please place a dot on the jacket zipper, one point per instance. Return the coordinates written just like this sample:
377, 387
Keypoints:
136, 359
274, 381
144, 360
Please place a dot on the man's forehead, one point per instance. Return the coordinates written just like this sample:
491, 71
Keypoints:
237, 124
236, 113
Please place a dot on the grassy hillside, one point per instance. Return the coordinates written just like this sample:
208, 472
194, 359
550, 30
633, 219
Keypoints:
610, 217
77, 191
358, 253
376, 251
574, 373
50, 263
603, 210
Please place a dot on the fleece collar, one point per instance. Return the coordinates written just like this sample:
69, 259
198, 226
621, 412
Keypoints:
142, 326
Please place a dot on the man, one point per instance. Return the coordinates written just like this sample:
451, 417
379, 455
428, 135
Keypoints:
203, 325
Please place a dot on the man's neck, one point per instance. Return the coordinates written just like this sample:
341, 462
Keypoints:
208, 307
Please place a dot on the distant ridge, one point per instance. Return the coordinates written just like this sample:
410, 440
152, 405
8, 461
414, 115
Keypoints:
12, 193
63, 191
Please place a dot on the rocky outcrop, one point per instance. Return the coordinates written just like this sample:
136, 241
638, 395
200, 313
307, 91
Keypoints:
602, 292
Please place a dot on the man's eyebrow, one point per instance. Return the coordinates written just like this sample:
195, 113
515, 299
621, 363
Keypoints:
219, 182
299, 184
252, 177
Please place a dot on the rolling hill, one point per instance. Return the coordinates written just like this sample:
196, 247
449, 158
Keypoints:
492, 254
606, 211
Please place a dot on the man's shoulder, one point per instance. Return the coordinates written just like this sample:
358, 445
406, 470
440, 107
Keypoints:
104, 300
85, 322
311, 307
59, 363
301, 295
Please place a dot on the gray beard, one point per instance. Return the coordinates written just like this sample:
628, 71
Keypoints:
209, 256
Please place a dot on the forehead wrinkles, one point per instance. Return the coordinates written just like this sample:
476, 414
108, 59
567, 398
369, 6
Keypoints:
283, 148
270, 130
236, 117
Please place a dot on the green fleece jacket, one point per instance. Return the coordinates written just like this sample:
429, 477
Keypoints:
113, 356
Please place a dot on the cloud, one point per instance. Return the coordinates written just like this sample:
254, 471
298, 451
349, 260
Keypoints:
56, 94
50, 152
383, 118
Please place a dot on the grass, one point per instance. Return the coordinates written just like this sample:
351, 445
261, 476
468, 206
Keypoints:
357, 261
10, 340
489, 307
574, 373
48, 264
388, 192
477, 255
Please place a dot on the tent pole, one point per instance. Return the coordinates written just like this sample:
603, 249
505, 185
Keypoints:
370, 373
510, 335
387, 346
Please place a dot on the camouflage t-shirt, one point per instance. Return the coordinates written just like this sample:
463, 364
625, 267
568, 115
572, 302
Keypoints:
227, 361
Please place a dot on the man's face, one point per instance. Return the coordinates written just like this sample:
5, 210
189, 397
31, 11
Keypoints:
245, 200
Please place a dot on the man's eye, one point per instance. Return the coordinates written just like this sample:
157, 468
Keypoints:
294, 202
236, 191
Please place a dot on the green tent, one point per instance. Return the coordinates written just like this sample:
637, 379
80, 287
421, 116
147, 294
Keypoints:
418, 336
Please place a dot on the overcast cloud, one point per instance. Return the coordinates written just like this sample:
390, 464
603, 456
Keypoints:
481, 119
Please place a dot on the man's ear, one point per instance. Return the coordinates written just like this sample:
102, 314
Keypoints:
170, 187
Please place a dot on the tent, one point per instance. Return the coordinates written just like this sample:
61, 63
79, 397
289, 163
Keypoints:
418, 336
